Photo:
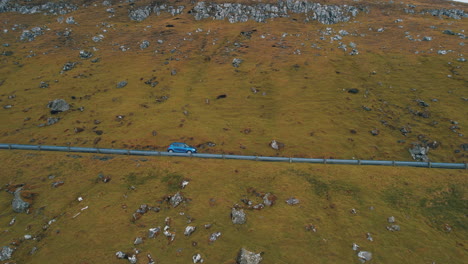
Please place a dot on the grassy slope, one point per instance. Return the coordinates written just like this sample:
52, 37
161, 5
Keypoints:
306, 105
422, 201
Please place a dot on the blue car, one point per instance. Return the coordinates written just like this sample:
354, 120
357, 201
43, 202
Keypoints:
181, 148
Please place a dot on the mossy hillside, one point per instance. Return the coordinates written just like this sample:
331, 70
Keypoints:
327, 193
306, 104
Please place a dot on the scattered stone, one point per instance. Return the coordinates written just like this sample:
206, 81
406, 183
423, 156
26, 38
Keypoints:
419, 152
189, 230
52, 120
353, 211
353, 90
375, 132
197, 258
364, 256
176, 199
121, 84
144, 44
236, 62
208, 226
393, 228
426, 38
153, 232
391, 219
292, 201
276, 145
173, 72
70, 20
27, 237
215, 236
269, 199
85, 54
248, 257
98, 38
33, 250
311, 227
238, 217
12, 221
355, 247
138, 241
58, 105
57, 184
19, 206
6, 253
221, 96
68, 66
44, 85
369, 237
30, 35
121, 255
183, 184
7, 106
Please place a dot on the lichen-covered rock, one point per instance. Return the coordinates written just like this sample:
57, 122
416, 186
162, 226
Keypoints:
6, 253
176, 199
139, 14
58, 105
248, 257
364, 256
238, 217
18, 205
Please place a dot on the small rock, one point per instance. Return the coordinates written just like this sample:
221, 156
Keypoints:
276, 145
27, 237
70, 20
248, 257
391, 219
369, 237
68, 66
44, 85
19, 206
221, 96
121, 84
236, 62
353, 90
189, 230
173, 72
138, 241
121, 255
355, 247
375, 132
85, 54
364, 256
176, 199
12, 222
292, 201
144, 44
197, 258
153, 232
353, 211
58, 105
215, 236
269, 199
393, 228
57, 184
427, 38
52, 120
133, 259
238, 216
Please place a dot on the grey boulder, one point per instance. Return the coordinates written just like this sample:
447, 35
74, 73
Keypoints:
247, 257
19, 206
6, 253
238, 217
58, 105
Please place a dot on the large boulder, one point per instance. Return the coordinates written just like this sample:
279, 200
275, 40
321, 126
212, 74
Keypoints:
247, 257
238, 216
19, 206
419, 152
58, 105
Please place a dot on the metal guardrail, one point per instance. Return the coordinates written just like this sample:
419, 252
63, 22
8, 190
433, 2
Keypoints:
438, 165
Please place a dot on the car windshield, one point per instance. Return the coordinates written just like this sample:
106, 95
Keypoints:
187, 146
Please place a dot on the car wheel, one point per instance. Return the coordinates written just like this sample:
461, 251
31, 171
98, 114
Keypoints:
189, 152
171, 150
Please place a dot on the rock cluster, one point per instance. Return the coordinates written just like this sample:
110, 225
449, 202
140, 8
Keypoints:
325, 14
234, 12
49, 8
5, 253
30, 35
18, 204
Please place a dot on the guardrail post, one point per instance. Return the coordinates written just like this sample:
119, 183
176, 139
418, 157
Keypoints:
359, 162
256, 158
222, 155
324, 161
128, 152
9, 146
290, 160
393, 163
39, 147
429, 164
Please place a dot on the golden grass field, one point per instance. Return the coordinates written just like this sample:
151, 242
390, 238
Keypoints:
302, 101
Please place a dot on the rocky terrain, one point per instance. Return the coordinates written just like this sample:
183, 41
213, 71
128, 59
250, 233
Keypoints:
382, 80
